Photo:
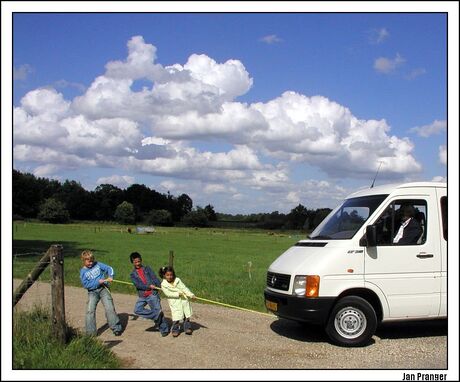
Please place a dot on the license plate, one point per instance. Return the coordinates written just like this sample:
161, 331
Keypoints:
273, 306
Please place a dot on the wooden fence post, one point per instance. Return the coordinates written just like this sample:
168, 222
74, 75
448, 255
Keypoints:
57, 292
31, 277
171, 258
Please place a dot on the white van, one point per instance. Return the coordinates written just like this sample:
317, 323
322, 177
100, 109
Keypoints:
351, 274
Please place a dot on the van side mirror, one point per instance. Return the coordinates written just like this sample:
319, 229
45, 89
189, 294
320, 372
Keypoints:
371, 236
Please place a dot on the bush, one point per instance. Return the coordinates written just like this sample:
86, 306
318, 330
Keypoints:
53, 211
124, 213
160, 217
196, 218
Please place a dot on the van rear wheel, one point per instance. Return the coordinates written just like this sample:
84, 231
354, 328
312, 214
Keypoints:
352, 322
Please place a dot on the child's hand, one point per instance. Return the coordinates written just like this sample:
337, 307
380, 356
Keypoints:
193, 297
109, 279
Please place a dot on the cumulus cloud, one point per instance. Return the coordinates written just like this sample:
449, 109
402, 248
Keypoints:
270, 39
121, 181
443, 154
436, 127
387, 65
154, 130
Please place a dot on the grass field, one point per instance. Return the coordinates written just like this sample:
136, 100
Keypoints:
224, 265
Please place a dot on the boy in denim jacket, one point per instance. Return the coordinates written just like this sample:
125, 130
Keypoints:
95, 277
145, 281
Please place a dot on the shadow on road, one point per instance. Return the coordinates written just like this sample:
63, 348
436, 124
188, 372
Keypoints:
393, 330
412, 329
298, 331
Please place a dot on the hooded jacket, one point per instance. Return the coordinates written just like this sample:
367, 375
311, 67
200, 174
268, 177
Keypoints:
179, 305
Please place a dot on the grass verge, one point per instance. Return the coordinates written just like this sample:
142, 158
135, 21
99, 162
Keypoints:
35, 347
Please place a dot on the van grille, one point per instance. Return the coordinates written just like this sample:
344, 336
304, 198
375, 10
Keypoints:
278, 281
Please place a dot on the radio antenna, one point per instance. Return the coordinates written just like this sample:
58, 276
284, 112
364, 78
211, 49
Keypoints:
375, 177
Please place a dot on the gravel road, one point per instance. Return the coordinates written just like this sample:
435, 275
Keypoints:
226, 338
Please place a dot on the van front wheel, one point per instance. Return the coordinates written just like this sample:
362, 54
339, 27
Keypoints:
352, 322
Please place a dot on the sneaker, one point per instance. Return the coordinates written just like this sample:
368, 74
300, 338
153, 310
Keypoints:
164, 334
117, 333
175, 334
189, 331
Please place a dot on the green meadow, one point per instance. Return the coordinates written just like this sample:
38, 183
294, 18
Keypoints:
223, 265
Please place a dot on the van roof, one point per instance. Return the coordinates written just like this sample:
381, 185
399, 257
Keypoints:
388, 188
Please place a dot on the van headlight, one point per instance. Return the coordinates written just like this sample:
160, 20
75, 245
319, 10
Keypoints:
307, 286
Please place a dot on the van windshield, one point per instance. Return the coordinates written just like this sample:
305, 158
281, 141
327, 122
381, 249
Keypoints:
345, 220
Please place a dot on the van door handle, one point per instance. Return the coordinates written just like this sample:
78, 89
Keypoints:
424, 255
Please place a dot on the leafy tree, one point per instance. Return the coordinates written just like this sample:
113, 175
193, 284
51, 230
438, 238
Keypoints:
196, 218
160, 217
107, 198
210, 213
297, 217
29, 192
180, 207
124, 213
53, 211
77, 199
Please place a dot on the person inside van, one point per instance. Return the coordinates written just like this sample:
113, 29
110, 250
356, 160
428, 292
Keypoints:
410, 230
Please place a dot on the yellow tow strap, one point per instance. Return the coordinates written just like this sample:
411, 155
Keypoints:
210, 301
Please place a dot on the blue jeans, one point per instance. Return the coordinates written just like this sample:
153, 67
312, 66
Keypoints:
154, 313
104, 295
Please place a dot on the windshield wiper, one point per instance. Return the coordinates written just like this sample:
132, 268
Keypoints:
320, 237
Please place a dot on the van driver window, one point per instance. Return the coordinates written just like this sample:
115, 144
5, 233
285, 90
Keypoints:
403, 223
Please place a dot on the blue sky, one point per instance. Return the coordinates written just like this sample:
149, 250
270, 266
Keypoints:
249, 112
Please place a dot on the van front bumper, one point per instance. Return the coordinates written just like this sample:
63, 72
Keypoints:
312, 310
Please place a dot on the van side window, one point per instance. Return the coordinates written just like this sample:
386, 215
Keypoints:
444, 216
403, 223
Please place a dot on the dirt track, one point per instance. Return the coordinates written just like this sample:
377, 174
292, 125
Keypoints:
225, 338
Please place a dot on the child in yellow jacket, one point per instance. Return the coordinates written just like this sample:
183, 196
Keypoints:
177, 294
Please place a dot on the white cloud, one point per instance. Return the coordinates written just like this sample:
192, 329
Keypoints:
45, 101
377, 36
416, 73
168, 185
121, 181
139, 64
154, 130
219, 189
270, 39
325, 134
47, 171
436, 127
231, 77
443, 154
62, 84
22, 72
439, 179
386, 65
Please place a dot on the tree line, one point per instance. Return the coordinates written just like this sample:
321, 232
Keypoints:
59, 202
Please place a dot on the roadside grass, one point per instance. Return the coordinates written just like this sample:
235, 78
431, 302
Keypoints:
225, 265
35, 347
